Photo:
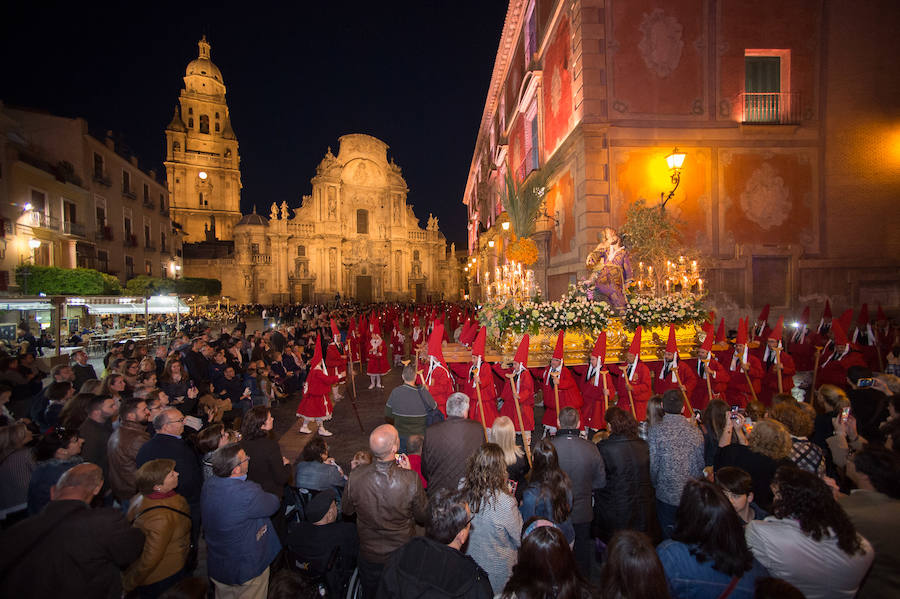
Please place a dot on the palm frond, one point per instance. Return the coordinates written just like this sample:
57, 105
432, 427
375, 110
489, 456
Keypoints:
523, 202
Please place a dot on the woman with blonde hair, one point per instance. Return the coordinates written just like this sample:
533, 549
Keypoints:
503, 433
768, 447
804, 453
164, 517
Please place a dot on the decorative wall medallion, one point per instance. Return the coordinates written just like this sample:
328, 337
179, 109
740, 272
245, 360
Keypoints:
697, 107
661, 44
724, 109
555, 91
765, 199
620, 106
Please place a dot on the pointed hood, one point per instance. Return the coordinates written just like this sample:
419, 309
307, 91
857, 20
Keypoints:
478, 346
863, 319
827, 312
317, 352
522, 352
635, 347
778, 330
376, 326
363, 325
560, 345
434, 343
671, 344
880, 315
764, 314
846, 319
599, 350
720, 333
840, 335
742, 332
416, 321
804, 317
708, 340
711, 318
335, 332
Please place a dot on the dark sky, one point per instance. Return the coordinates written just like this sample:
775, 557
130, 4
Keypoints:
412, 73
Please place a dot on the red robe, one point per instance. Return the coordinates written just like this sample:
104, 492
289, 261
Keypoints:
378, 361
353, 344
833, 370
488, 395
593, 411
336, 361
316, 402
803, 353
718, 382
769, 385
641, 388
685, 375
440, 384
526, 398
397, 343
738, 393
569, 395
418, 338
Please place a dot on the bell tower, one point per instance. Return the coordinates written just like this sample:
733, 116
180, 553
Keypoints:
202, 161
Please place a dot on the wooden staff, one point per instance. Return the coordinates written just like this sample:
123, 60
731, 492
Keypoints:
353, 397
706, 376
605, 392
424, 382
815, 372
687, 402
628, 388
878, 350
480, 405
778, 368
556, 393
749, 382
515, 395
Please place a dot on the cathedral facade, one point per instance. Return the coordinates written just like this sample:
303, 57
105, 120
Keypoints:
354, 236
202, 162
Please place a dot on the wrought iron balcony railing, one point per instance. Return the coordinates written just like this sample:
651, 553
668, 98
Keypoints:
770, 108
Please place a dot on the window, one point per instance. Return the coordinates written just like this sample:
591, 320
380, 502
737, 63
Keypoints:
767, 82
204, 123
191, 123
98, 165
162, 242
38, 200
254, 249
201, 199
127, 226
362, 222
129, 267
146, 193
103, 260
530, 35
100, 212
415, 255
148, 240
534, 154
162, 203
217, 116
301, 251
148, 268
217, 127
126, 182
191, 111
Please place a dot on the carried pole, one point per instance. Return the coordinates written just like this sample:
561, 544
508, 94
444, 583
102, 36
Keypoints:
556, 394
708, 382
605, 392
353, 397
749, 383
515, 395
424, 382
480, 405
687, 402
630, 395
778, 368
812, 391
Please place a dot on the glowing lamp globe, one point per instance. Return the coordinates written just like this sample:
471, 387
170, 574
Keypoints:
675, 160
34, 243
203, 175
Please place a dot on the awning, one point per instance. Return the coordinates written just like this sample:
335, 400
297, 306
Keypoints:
158, 304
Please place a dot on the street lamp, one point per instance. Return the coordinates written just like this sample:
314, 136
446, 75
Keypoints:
505, 225
491, 243
34, 243
675, 161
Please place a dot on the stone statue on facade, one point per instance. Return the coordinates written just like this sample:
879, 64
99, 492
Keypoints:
284, 211
610, 268
273, 214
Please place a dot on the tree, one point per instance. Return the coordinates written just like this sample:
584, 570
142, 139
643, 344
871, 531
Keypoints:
52, 280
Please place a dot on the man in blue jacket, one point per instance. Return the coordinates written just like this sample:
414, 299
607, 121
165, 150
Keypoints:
240, 539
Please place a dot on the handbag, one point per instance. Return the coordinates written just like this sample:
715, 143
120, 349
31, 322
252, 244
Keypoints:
432, 415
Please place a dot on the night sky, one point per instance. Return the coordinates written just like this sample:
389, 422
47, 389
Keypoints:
412, 73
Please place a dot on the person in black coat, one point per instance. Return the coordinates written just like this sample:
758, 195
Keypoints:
267, 466
68, 548
628, 500
449, 444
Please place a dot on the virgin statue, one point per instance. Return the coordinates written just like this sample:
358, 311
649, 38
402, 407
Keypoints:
610, 268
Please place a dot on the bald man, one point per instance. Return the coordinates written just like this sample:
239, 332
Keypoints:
388, 500
88, 548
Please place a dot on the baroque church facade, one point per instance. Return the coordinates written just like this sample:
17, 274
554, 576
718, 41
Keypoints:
354, 236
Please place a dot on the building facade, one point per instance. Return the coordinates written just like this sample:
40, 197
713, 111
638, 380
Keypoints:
202, 161
783, 110
88, 205
353, 236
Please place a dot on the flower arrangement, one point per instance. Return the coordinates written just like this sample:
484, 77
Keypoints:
676, 308
522, 249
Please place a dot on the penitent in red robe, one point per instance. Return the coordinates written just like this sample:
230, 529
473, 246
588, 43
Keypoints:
593, 411
378, 361
569, 395
641, 387
663, 381
336, 361
718, 382
316, 402
525, 384
738, 392
439, 383
488, 395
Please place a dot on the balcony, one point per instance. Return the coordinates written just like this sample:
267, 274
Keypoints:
148, 203
104, 234
770, 108
261, 259
130, 240
164, 210
100, 178
70, 228
164, 250
149, 247
41, 220
127, 193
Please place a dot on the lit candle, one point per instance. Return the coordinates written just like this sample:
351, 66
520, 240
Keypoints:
700, 282
694, 266
667, 285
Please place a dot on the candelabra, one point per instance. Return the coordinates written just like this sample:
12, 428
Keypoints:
511, 281
679, 275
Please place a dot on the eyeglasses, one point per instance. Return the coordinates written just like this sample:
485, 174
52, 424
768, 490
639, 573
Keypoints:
176, 421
